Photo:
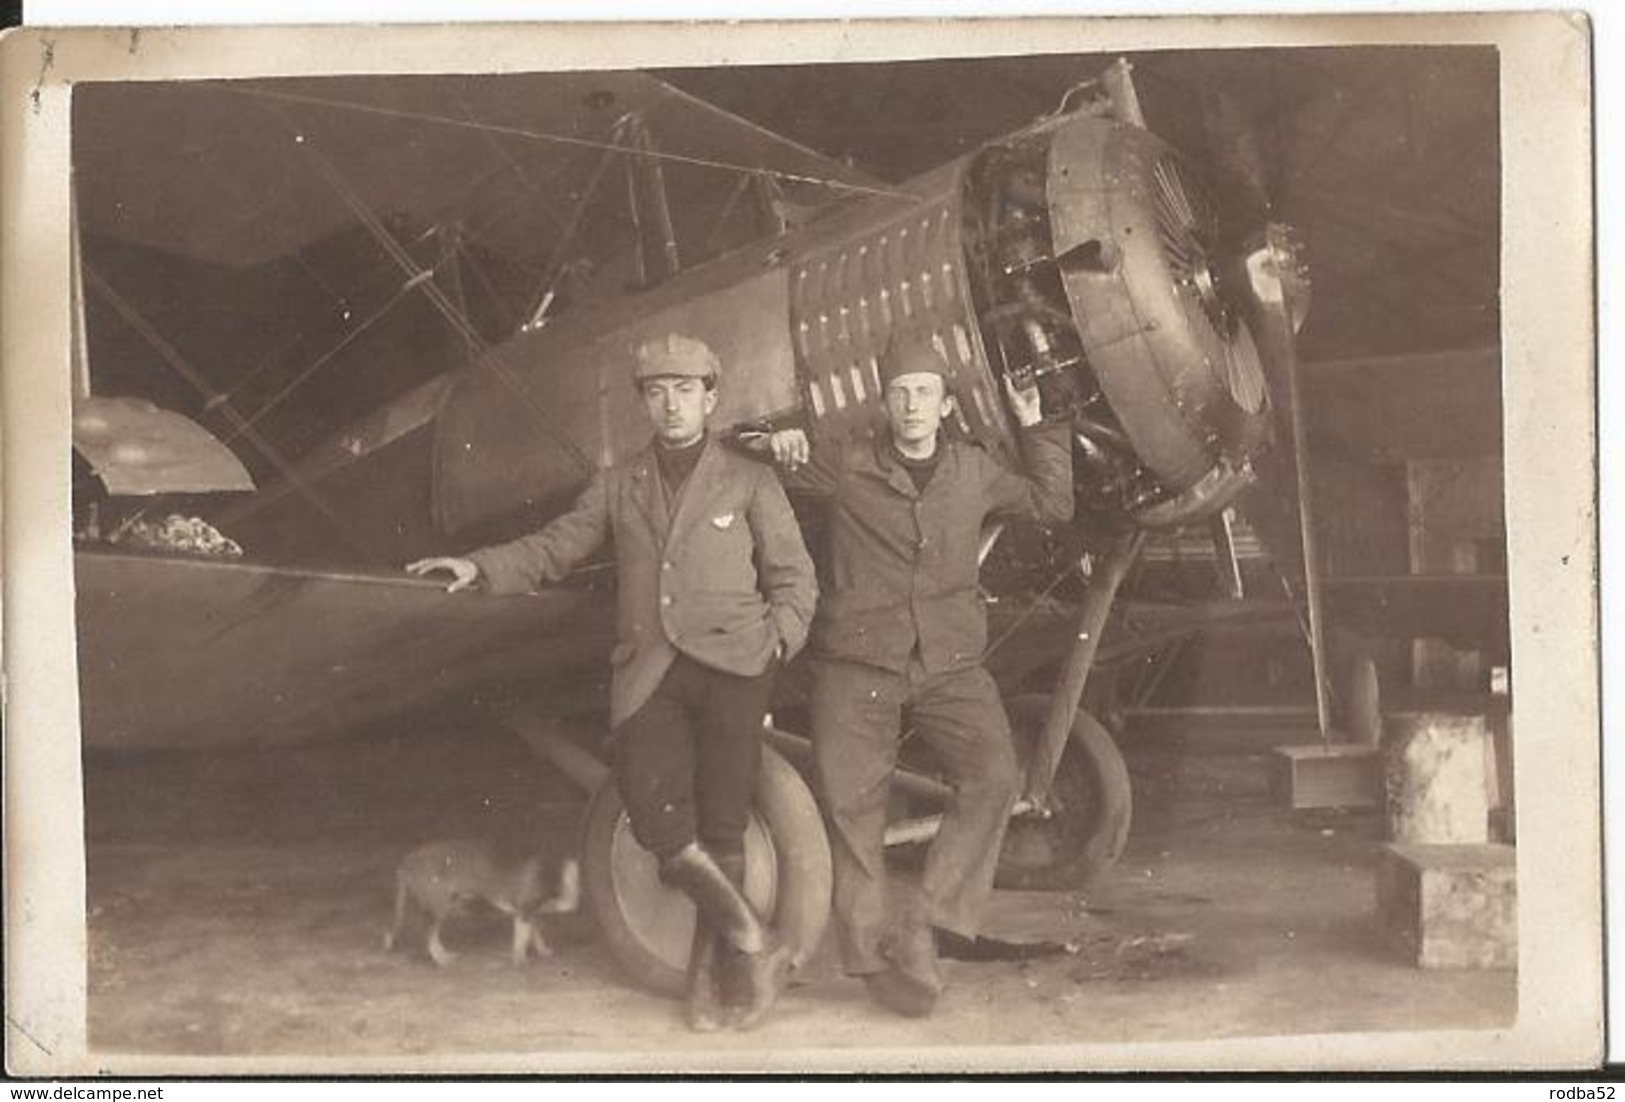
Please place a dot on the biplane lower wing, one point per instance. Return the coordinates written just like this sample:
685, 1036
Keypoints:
198, 653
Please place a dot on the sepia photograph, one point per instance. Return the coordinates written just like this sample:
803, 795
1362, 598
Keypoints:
1039, 545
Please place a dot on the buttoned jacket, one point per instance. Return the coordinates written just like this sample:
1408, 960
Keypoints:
903, 562
721, 575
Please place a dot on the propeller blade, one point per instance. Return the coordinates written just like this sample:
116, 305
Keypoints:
1273, 287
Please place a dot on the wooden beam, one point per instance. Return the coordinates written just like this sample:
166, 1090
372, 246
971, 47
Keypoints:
1394, 408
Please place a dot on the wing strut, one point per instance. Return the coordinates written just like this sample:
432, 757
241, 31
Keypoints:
555, 266
646, 187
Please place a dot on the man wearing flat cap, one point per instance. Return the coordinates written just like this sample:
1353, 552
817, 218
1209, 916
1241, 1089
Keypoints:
715, 591
901, 628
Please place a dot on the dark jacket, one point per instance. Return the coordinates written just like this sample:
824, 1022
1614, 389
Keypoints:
725, 580
903, 564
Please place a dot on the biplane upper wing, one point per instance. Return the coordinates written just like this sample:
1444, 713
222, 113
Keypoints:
249, 242
279, 258
234, 173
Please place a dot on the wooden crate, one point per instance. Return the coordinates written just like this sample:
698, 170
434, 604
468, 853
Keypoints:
1335, 774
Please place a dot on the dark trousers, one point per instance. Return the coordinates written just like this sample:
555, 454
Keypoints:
857, 717
686, 762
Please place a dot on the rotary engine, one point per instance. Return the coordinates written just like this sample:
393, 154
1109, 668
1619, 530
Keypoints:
1097, 267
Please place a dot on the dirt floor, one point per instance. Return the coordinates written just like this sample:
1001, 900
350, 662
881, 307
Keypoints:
237, 903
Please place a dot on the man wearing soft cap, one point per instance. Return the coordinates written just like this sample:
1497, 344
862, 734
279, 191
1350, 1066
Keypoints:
715, 591
901, 627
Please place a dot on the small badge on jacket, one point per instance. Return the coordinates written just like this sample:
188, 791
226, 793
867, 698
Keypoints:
723, 522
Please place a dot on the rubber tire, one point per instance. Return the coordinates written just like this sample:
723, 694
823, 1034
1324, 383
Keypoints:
794, 887
1095, 806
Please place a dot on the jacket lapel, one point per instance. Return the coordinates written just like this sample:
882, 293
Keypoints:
697, 491
647, 493
883, 467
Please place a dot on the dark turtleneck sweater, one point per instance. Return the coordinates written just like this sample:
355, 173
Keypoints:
676, 464
920, 470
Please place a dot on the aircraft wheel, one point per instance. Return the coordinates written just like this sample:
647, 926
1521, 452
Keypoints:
650, 927
1093, 804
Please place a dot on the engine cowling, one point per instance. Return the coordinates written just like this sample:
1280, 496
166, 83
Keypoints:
1098, 268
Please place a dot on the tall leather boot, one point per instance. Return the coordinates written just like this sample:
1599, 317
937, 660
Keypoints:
706, 1012
763, 963
732, 977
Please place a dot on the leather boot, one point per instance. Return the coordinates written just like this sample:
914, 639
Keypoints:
706, 1014
913, 952
912, 982
899, 994
763, 964
731, 975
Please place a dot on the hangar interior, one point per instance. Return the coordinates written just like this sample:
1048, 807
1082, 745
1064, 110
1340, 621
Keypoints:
243, 246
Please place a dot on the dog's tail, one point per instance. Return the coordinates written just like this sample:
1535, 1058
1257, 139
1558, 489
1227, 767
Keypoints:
569, 897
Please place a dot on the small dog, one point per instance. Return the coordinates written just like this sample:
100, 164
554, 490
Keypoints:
441, 877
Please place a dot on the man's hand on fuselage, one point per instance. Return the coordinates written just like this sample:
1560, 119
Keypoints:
464, 572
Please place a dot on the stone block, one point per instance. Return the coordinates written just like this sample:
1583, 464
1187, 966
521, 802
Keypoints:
1437, 770
1450, 906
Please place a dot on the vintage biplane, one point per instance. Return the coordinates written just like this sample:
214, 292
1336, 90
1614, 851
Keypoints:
449, 273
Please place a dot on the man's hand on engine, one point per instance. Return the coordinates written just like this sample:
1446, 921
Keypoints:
1024, 402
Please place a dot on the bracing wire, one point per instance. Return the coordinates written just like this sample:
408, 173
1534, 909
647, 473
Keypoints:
321, 361
259, 367
1027, 612
421, 278
478, 268
568, 139
178, 363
